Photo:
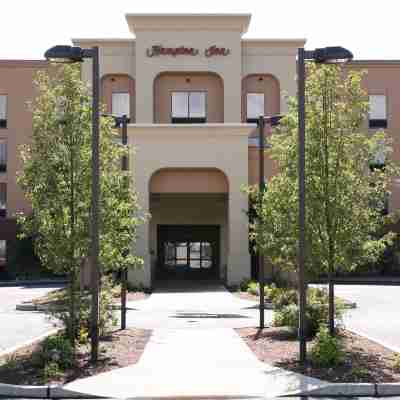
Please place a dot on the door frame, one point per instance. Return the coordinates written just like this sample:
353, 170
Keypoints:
189, 233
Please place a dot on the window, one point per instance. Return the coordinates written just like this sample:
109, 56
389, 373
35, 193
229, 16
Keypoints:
377, 111
3, 199
188, 107
3, 155
120, 104
255, 106
3, 111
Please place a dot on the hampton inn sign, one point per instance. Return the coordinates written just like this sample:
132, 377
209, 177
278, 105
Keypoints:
158, 50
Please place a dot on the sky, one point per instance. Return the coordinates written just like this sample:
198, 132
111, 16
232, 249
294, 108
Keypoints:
369, 28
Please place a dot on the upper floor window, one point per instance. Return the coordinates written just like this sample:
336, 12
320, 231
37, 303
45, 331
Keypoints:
3, 155
255, 106
120, 104
3, 199
3, 111
377, 111
188, 107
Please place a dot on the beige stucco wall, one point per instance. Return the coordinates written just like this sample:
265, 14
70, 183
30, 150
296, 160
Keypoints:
221, 146
189, 180
168, 82
275, 57
189, 209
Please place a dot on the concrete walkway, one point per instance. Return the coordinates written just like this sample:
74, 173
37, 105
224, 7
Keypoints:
194, 351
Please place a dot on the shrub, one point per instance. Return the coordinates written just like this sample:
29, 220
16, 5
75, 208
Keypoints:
396, 362
57, 349
283, 297
244, 284
327, 350
51, 370
316, 312
253, 288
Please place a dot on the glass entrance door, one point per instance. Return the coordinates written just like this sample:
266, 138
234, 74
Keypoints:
188, 250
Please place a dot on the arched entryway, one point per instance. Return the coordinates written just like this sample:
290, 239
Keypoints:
188, 227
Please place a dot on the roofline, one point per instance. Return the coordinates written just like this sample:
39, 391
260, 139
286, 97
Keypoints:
23, 63
103, 40
374, 62
168, 15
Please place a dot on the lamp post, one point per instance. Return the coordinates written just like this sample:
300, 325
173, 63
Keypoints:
70, 54
321, 55
272, 121
122, 122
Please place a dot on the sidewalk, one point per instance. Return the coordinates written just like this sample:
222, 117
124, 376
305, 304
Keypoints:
201, 360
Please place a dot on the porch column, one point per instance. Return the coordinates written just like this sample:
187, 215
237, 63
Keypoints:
238, 236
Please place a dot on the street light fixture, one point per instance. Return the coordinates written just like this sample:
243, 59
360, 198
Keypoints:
71, 54
327, 55
272, 121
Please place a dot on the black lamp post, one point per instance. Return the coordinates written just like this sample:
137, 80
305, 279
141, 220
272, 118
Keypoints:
122, 122
272, 121
70, 54
322, 55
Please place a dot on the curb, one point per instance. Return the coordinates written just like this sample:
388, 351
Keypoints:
11, 350
33, 282
42, 392
350, 390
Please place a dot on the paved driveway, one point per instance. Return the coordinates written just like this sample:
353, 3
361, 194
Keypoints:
205, 306
18, 326
378, 312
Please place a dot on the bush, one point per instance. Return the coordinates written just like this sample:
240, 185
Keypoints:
244, 284
327, 350
57, 350
253, 288
51, 371
396, 362
316, 312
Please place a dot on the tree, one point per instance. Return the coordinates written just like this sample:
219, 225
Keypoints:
56, 179
344, 198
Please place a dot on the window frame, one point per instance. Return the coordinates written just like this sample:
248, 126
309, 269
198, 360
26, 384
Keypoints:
253, 120
3, 211
129, 102
188, 119
3, 167
4, 122
378, 123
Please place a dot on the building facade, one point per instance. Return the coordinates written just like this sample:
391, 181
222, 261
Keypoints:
193, 88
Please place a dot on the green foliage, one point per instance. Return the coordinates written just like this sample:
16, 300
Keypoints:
56, 179
107, 316
327, 350
396, 362
281, 297
244, 284
51, 371
316, 312
253, 288
344, 197
57, 350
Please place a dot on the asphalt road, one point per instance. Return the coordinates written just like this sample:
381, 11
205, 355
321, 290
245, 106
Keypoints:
378, 312
20, 326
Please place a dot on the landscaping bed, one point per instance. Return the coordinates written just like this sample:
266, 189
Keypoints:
118, 349
363, 360
55, 297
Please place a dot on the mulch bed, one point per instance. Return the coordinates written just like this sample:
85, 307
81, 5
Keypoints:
118, 349
365, 360
247, 296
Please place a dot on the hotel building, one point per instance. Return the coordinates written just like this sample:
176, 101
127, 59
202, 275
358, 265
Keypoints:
193, 88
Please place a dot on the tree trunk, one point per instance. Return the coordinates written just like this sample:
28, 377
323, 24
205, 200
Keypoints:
331, 307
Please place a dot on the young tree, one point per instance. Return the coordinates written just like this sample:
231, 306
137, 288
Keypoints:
56, 179
344, 197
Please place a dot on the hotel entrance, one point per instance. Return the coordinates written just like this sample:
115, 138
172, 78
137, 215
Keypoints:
188, 251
